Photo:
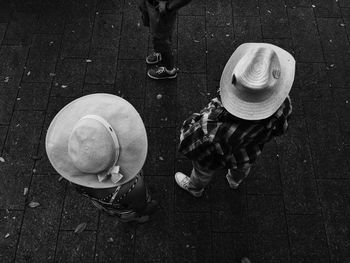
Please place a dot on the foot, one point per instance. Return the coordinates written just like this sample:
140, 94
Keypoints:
232, 183
183, 181
162, 73
153, 58
133, 217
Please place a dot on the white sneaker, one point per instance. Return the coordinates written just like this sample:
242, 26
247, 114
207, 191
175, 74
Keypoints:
183, 181
232, 183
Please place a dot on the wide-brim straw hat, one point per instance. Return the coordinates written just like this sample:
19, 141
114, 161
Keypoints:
94, 134
256, 80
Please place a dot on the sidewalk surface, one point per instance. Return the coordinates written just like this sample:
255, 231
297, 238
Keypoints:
295, 207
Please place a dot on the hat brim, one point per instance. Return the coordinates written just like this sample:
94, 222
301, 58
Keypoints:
265, 108
124, 119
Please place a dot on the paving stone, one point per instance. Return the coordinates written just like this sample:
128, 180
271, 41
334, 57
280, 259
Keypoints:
160, 103
220, 46
130, 79
333, 36
11, 67
327, 8
154, 240
134, 39
160, 159
110, 6
310, 77
115, 241
38, 235
245, 8
3, 27
285, 43
24, 133
192, 237
194, 8
247, 29
80, 8
51, 18
101, 70
185, 202
325, 140
99, 88
47, 191
346, 16
78, 209
268, 247
297, 173
191, 95
3, 132
76, 38
298, 3
335, 198
105, 38
73, 247
230, 246
33, 96
219, 13
228, 208
342, 104
344, 3
266, 222
6, 9
307, 238
297, 101
69, 77
338, 65
42, 58
274, 19
264, 177
10, 225
191, 43
304, 32
14, 180
20, 29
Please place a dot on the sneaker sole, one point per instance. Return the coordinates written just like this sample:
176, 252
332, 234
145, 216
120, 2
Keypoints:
170, 77
194, 194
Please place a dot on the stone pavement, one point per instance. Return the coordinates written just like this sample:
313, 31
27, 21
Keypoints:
295, 207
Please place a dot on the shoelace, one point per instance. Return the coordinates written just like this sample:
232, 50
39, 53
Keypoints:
160, 70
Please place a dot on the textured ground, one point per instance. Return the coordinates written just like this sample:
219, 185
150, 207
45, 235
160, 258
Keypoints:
294, 207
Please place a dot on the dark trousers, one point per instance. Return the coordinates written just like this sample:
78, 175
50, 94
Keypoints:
161, 28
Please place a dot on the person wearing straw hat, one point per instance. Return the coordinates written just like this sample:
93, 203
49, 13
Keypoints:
254, 106
98, 143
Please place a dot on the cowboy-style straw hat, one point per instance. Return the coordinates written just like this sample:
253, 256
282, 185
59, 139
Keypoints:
93, 137
256, 80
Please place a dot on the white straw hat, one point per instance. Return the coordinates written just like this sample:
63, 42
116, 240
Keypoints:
256, 80
95, 135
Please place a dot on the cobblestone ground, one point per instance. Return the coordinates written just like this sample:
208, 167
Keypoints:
294, 207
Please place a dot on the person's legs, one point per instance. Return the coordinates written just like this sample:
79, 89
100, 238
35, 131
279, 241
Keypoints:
236, 176
196, 182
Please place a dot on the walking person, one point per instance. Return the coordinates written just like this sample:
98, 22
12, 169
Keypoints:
160, 17
230, 133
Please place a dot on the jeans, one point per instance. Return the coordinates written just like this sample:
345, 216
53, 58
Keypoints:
201, 177
161, 28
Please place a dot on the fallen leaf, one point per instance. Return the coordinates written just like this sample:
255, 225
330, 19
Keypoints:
25, 190
18, 98
313, 6
64, 86
110, 240
7, 79
60, 179
80, 228
28, 73
161, 158
159, 96
88, 60
33, 204
52, 74
342, 24
7, 235
195, 40
2, 160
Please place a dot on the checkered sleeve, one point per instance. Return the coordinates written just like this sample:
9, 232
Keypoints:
283, 116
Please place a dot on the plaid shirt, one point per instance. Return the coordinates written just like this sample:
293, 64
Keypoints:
216, 139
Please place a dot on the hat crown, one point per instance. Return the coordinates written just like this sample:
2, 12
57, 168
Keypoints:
257, 72
91, 147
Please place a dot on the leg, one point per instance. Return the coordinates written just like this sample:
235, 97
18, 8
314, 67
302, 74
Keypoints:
236, 176
196, 182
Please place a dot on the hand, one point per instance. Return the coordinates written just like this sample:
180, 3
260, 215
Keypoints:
162, 7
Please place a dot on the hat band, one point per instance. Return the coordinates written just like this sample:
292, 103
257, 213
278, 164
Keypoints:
109, 129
